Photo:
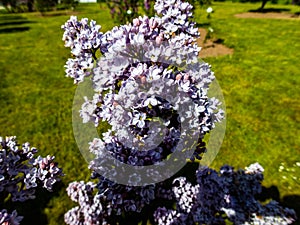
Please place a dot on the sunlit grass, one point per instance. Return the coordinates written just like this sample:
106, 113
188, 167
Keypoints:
260, 83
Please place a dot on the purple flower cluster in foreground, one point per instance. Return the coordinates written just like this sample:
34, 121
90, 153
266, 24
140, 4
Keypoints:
213, 198
217, 196
151, 88
21, 173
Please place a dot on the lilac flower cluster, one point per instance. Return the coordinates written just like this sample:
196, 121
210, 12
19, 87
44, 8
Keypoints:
105, 202
83, 39
175, 17
135, 70
21, 173
151, 88
9, 219
217, 196
90, 210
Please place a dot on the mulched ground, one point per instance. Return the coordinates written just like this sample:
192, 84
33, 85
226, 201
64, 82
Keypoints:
268, 15
211, 47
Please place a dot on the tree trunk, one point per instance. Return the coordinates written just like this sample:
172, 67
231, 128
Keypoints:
264, 2
30, 5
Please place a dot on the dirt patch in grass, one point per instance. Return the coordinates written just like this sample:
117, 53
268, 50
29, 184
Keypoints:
211, 47
268, 15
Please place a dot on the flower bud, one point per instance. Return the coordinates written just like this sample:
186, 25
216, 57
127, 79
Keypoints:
136, 22
153, 23
159, 39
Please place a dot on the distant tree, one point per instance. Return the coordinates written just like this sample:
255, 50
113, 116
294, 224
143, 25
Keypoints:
45, 5
296, 2
30, 5
200, 2
35, 5
69, 3
10, 5
125, 11
263, 3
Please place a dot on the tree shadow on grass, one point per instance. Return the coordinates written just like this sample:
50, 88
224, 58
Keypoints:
293, 202
13, 24
202, 25
289, 201
57, 13
13, 29
296, 14
12, 17
269, 193
268, 10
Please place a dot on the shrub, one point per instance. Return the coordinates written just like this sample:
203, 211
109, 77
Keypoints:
14, 6
151, 89
45, 5
125, 11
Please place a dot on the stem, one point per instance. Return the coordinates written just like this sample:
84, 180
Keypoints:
94, 53
3, 196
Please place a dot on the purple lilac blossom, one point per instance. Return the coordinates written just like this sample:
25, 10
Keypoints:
90, 210
103, 202
219, 195
159, 53
147, 4
83, 39
21, 173
19, 166
131, 72
131, 58
9, 219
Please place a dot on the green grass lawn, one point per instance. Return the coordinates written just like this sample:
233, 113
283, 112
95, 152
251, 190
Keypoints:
260, 83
